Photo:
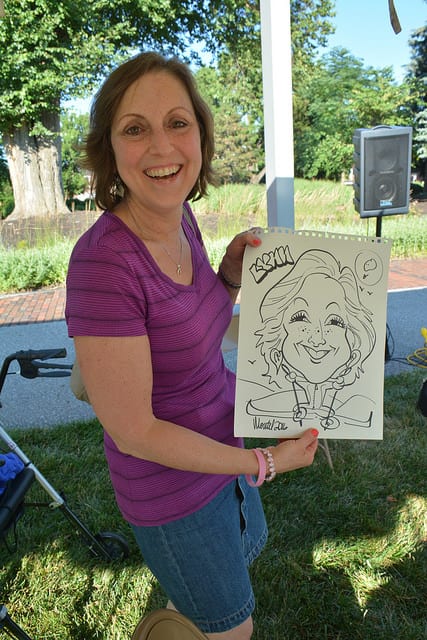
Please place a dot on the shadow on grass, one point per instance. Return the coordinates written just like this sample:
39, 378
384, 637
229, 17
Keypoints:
344, 559
346, 556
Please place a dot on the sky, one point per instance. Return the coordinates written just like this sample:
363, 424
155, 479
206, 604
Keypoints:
363, 27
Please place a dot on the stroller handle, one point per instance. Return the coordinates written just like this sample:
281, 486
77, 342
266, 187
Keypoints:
32, 360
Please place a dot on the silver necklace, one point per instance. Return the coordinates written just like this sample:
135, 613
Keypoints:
178, 264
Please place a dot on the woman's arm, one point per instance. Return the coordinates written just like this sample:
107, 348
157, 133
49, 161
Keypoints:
230, 269
118, 377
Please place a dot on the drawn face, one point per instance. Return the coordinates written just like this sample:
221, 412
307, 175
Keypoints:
316, 343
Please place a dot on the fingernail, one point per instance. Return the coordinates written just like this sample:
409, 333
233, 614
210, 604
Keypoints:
314, 432
257, 242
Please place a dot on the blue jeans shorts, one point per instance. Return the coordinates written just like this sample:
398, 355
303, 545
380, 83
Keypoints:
201, 561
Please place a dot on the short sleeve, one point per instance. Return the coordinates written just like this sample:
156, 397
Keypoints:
104, 295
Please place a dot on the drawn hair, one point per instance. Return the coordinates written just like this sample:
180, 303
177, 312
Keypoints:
98, 151
360, 332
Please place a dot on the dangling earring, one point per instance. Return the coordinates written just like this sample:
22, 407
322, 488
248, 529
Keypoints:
118, 188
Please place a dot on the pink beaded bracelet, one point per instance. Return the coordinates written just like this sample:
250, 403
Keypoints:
271, 471
262, 468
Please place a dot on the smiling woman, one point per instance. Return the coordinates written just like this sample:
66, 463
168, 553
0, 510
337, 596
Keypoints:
156, 144
148, 315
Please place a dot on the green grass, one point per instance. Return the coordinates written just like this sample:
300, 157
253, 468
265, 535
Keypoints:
228, 210
344, 561
345, 558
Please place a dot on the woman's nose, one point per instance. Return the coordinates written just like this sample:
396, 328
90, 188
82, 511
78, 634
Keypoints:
316, 336
159, 141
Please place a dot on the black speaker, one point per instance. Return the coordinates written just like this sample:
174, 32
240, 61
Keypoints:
382, 170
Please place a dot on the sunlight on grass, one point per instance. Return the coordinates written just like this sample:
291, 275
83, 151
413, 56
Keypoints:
369, 560
344, 557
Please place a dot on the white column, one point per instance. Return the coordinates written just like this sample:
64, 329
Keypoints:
278, 115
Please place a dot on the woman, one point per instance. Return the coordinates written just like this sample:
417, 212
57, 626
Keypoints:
148, 315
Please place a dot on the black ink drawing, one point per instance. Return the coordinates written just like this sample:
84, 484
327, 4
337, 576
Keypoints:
312, 336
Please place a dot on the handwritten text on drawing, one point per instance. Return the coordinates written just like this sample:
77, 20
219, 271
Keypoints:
269, 261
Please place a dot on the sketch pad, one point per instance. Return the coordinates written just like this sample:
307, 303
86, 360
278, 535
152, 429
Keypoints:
312, 334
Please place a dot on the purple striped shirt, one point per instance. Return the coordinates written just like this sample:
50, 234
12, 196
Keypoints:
115, 288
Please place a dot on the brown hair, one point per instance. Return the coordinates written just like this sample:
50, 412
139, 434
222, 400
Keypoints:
98, 152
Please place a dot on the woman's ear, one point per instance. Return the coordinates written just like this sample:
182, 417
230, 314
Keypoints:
276, 358
354, 358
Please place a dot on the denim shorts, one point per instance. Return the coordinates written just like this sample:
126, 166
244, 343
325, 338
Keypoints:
201, 561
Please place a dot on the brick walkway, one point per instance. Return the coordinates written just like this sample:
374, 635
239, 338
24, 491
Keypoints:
48, 304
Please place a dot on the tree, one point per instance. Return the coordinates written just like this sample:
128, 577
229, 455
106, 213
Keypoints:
417, 77
236, 29
53, 50
235, 26
238, 154
6, 196
340, 96
73, 130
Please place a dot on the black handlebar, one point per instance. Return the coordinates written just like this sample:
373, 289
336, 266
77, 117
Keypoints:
31, 361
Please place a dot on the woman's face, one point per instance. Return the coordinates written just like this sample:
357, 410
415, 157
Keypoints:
156, 142
316, 325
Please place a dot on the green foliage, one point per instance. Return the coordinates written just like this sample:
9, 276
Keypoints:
418, 45
344, 558
238, 154
73, 130
417, 75
52, 50
228, 210
7, 201
420, 135
6, 192
234, 26
236, 93
340, 95
33, 267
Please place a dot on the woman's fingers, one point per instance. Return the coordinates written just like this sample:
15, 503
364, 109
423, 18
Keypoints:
294, 454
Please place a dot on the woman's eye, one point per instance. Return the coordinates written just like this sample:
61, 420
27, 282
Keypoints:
178, 124
300, 316
133, 130
336, 321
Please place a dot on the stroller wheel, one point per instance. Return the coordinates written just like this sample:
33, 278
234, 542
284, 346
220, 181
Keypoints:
115, 545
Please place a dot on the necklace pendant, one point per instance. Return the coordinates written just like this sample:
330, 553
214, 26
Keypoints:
178, 269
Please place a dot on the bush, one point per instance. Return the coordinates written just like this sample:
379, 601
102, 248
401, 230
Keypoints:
23, 268
7, 202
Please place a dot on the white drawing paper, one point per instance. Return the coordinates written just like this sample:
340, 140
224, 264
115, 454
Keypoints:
312, 334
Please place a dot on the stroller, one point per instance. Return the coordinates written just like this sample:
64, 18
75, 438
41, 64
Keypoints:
106, 545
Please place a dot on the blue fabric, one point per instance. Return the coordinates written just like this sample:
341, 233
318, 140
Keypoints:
10, 466
202, 560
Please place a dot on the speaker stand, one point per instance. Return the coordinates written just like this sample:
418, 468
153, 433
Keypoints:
387, 354
379, 225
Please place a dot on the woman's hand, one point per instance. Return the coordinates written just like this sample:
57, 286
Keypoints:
295, 454
230, 269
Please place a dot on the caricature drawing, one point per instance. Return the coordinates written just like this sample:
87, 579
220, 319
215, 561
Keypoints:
314, 336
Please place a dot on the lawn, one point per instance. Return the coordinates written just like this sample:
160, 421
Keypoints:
345, 558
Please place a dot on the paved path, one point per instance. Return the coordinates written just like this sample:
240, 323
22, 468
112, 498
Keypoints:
36, 321
48, 304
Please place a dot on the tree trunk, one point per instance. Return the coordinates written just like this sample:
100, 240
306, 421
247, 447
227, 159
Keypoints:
35, 170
